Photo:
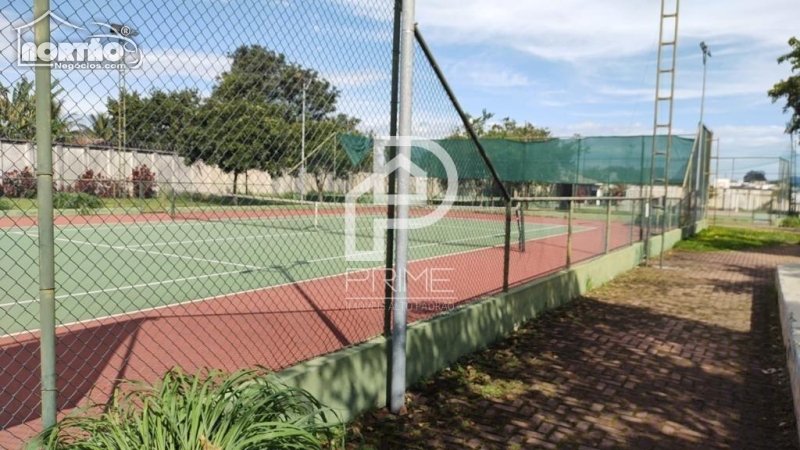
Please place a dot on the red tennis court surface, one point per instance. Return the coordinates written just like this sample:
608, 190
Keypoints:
239, 331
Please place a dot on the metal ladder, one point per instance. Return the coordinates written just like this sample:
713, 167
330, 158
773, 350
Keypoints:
665, 71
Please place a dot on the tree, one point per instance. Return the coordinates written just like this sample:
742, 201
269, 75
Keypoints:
263, 76
253, 118
157, 121
508, 128
754, 175
328, 157
18, 113
240, 135
789, 89
102, 128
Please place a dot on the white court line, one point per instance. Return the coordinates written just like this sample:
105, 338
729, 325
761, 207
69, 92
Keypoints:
433, 244
211, 220
295, 233
249, 291
124, 288
237, 238
169, 255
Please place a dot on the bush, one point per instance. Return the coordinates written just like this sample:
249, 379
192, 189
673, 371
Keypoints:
144, 182
19, 183
5, 205
85, 203
210, 410
96, 184
790, 222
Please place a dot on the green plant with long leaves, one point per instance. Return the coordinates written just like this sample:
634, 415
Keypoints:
210, 410
101, 128
18, 113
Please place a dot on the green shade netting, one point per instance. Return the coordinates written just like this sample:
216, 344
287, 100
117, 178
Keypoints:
581, 160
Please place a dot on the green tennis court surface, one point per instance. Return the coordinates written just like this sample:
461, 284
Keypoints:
106, 270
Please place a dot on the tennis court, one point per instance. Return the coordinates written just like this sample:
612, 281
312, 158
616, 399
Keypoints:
115, 269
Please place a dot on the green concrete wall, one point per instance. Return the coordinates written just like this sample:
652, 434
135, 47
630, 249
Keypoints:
353, 380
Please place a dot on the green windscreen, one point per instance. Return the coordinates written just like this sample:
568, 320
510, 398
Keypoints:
586, 160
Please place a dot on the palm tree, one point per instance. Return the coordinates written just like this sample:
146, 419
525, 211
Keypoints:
18, 113
101, 128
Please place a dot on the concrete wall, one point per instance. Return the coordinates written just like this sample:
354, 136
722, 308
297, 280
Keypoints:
744, 199
788, 284
72, 161
353, 380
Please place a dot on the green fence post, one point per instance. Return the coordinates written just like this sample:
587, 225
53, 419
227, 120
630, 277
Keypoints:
608, 226
507, 247
569, 235
172, 194
632, 222
44, 194
141, 197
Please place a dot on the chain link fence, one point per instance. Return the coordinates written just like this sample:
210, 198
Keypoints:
201, 186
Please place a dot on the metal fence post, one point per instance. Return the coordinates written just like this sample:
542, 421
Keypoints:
389, 273
608, 226
507, 247
632, 222
44, 194
172, 200
569, 235
398, 384
141, 197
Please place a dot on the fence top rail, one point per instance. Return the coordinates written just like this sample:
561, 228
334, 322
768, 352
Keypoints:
564, 199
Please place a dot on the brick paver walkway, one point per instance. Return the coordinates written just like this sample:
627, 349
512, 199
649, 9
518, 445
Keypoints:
685, 357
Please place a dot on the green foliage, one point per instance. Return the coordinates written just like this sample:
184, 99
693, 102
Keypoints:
755, 175
253, 119
508, 128
5, 205
720, 238
239, 135
84, 203
102, 128
144, 182
157, 121
18, 113
259, 75
790, 222
19, 183
208, 411
326, 157
788, 90
96, 184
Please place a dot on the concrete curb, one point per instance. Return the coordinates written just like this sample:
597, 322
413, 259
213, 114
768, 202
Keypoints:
788, 285
353, 380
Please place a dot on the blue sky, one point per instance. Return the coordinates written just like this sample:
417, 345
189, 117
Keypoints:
574, 66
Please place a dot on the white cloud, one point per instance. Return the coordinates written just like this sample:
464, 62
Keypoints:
580, 31
486, 75
377, 10
356, 78
187, 63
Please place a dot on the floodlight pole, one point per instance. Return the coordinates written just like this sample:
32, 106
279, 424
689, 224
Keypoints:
121, 31
398, 383
701, 147
706, 55
121, 124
